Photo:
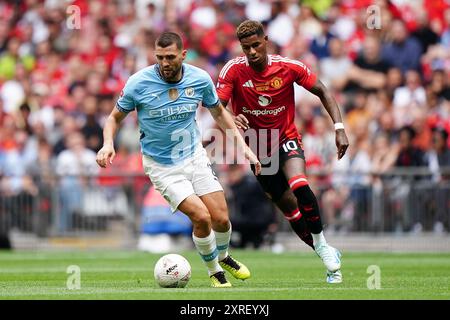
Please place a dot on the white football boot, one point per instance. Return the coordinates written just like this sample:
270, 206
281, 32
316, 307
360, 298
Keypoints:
330, 256
334, 277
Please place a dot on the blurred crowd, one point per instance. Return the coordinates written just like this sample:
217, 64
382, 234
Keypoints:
63, 64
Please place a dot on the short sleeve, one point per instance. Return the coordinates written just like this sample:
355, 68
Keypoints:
126, 102
303, 75
225, 83
210, 98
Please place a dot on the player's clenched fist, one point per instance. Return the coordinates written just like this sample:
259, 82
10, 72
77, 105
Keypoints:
105, 155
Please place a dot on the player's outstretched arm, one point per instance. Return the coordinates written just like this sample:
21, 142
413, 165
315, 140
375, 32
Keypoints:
240, 120
332, 108
107, 153
225, 121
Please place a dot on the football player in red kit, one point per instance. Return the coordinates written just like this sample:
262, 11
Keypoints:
260, 87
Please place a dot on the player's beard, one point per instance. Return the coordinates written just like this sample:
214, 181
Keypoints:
171, 75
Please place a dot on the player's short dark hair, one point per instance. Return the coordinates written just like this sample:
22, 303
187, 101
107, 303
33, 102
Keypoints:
168, 38
249, 28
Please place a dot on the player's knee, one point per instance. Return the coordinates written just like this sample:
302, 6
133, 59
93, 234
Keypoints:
222, 221
201, 218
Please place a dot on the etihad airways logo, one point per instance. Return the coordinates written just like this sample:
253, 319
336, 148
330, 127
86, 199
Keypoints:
173, 112
264, 112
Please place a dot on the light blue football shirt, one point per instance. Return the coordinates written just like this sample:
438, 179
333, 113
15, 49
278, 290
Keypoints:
166, 111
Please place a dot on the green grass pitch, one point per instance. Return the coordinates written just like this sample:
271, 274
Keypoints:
129, 275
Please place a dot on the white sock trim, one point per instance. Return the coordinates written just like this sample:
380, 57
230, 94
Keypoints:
208, 239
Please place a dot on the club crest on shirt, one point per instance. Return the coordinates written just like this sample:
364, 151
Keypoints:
189, 92
276, 82
173, 93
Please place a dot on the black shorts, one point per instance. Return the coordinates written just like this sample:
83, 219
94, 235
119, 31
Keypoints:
275, 185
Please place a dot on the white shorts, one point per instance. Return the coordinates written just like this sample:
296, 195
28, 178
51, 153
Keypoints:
177, 182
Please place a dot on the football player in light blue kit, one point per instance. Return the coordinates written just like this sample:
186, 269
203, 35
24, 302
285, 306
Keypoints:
166, 97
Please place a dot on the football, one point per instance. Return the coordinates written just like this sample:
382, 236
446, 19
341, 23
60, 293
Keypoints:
172, 271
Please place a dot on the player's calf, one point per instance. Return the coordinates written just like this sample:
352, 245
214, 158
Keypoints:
307, 202
298, 224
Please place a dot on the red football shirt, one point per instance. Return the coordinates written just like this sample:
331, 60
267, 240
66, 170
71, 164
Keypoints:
265, 98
